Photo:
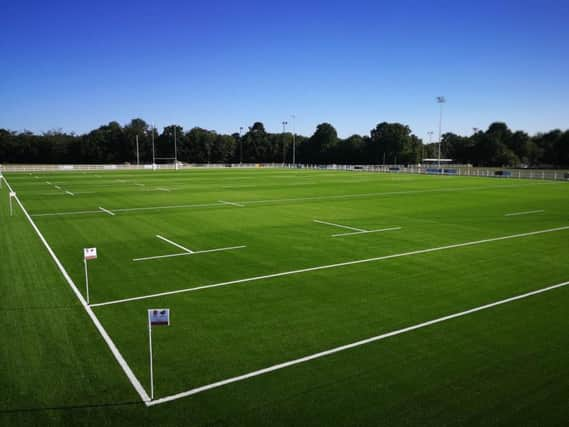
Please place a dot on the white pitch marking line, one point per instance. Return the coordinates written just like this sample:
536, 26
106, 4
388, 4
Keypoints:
330, 266
58, 187
367, 231
341, 226
524, 213
189, 253
199, 205
66, 213
127, 209
139, 185
351, 345
69, 192
231, 203
106, 211
162, 189
114, 350
175, 244
345, 196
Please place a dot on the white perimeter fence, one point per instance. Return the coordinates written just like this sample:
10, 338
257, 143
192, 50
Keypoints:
449, 170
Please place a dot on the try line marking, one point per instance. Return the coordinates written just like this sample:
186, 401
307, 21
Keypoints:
330, 266
524, 213
114, 350
351, 345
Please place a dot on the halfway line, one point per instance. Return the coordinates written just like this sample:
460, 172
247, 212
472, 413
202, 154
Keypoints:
329, 266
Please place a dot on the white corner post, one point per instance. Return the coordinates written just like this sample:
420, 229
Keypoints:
150, 355
86, 280
11, 196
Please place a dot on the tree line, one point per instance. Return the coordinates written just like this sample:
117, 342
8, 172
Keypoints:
387, 143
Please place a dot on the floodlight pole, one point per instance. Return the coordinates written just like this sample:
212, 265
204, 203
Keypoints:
293, 140
150, 354
137, 152
440, 100
86, 280
240, 146
175, 150
284, 123
153, 152
430, 133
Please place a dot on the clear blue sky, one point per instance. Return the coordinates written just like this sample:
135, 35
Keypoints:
224, 64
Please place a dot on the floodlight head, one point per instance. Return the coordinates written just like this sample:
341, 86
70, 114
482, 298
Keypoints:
441, 99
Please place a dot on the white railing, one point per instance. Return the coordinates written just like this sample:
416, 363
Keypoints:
545, 174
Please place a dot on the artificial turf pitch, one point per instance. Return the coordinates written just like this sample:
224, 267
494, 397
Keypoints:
504, 365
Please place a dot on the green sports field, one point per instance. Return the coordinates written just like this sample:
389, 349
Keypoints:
261, 267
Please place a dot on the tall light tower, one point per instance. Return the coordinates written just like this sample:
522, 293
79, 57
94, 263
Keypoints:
153, 151
137, 152
175, 151
284, 123
293, 117
440, 100
430, 133
240, 146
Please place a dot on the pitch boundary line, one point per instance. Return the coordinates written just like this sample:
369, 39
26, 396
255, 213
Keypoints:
525, 213
330, 266
98, 325
351, 345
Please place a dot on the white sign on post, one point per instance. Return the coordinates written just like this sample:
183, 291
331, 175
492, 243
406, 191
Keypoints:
88, 254
159, 317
